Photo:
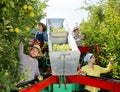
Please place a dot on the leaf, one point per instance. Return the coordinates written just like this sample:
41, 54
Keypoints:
2, 73
11, 4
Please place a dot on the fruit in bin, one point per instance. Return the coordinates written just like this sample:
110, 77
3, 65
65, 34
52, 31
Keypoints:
58, 29
64, 47
54, 47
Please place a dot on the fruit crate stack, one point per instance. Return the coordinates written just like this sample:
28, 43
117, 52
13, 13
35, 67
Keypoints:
63, 52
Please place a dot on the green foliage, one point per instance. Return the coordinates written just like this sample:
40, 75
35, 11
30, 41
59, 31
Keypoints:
102, 27
17, 18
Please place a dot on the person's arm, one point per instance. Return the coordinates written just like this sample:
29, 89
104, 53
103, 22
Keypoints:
82, 70
105, 70
35, 34
37, 73
78, 38
82, 37
21, 50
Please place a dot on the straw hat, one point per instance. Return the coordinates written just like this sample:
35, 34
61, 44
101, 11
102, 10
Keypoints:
38, 47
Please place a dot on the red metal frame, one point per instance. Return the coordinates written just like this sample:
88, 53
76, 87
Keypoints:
41, 85
86, 80
86, 49
96, 82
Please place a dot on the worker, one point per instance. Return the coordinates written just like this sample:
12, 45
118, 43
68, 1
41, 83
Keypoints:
78, 39
93, 70
29, 63
41, 34
77, 36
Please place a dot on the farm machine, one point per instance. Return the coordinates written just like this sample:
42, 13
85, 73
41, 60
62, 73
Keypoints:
62, 62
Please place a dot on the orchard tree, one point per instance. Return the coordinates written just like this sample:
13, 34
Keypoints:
17, 19
102, 27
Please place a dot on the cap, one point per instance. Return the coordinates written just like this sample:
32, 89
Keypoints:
87, 57
75, 28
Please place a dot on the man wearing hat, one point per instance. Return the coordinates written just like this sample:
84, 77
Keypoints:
93, 70
29, 63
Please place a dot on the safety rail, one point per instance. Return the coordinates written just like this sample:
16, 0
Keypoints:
104, 83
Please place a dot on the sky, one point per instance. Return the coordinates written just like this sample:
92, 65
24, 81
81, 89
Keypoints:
67, 9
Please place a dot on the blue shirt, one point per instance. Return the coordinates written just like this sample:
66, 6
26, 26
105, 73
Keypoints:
41, 36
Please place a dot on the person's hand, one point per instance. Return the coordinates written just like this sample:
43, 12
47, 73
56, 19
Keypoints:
21, 43
79, 72
112, 60
82, 37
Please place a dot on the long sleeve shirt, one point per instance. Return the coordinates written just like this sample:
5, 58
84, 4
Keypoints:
78, 39
29, 65
95, 72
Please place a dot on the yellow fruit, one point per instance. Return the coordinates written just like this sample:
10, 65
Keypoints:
58, 29
32, 14
17, 30
29, 84
112, 59
25, 7
40, 78
11, 30
64, 47
4, 9
25, 39
20, 88
27, 28
29, 7
83, 44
